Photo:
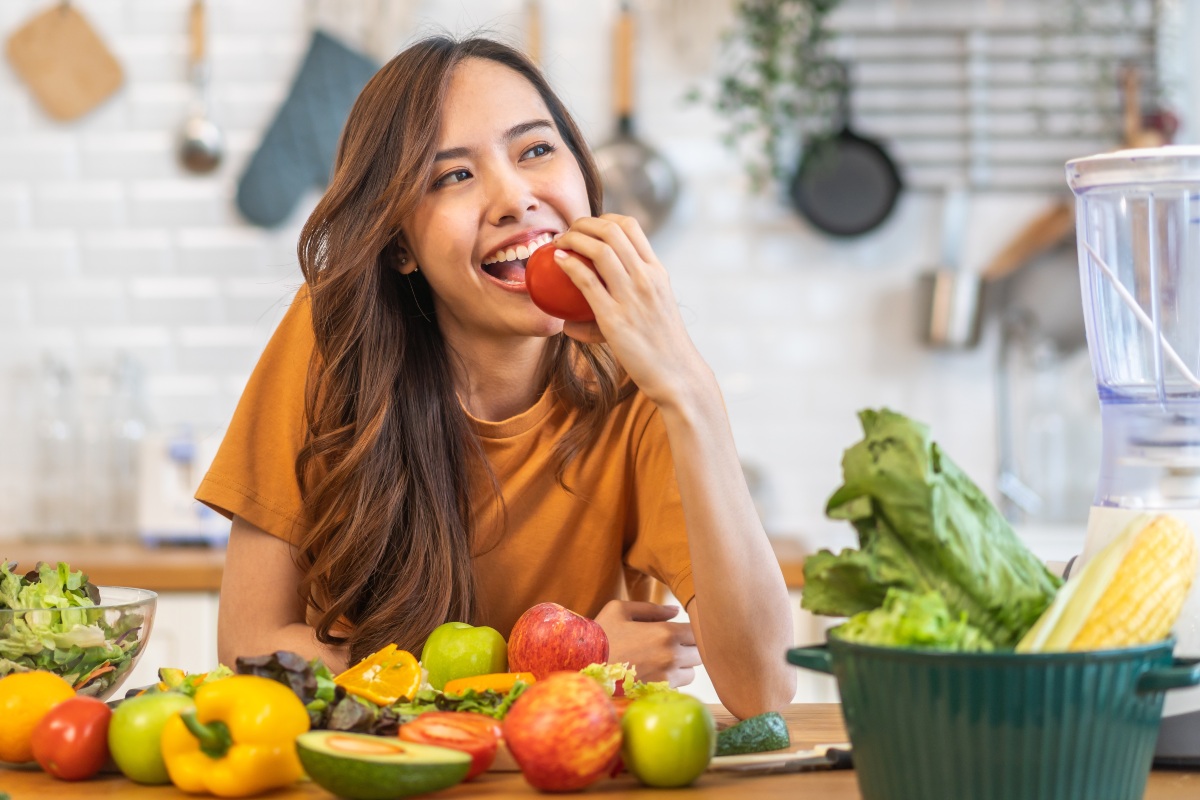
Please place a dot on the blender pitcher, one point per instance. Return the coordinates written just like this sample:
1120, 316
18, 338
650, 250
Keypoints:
1138, 229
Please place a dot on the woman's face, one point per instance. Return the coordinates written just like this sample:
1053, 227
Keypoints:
503, 179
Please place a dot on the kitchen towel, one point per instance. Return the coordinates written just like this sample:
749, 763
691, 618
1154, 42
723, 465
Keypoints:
298, 149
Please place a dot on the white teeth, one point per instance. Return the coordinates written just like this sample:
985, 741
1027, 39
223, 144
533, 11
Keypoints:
521, 251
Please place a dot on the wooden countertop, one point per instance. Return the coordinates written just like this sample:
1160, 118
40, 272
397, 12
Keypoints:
809, 724
198, 569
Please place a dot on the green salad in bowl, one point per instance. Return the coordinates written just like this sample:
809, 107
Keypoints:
53, 618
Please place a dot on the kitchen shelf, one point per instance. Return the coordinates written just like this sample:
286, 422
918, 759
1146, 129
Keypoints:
199, 569
159, 569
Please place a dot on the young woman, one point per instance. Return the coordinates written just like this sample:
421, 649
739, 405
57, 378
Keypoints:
419, 443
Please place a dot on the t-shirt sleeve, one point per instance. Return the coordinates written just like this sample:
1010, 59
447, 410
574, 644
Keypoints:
253, 474
660, 546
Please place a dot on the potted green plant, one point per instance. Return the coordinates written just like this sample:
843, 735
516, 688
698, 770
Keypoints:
777, 83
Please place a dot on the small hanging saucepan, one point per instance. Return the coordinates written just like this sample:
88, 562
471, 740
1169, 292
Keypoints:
846, 184
637, 180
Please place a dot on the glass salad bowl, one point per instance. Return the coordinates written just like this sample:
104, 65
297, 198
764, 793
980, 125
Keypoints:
93, 646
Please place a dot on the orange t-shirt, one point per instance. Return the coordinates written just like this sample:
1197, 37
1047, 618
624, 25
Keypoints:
624, 520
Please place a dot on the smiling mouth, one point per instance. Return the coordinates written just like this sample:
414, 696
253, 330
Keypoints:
508, 265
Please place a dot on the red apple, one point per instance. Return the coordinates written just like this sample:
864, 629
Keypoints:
549, 638
563, 733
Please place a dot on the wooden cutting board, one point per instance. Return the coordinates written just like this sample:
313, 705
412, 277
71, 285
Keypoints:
64, 62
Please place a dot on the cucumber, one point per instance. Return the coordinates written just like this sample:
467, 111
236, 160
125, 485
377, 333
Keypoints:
755, 735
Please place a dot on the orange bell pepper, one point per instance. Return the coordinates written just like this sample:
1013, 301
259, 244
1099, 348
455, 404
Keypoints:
501, 682
383, 677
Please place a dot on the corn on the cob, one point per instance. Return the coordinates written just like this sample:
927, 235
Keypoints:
1147, 590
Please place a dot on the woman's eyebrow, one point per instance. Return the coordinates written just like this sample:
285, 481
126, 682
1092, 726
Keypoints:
516, 131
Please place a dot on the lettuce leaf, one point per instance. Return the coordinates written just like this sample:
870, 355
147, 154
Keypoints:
609, 675
924, 526
913, 620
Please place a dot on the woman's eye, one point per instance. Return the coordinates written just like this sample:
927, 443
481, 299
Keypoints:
538, 150
452, 177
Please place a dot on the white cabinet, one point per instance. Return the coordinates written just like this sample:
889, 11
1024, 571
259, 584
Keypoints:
184, 636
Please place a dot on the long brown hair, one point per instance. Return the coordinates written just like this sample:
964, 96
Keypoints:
389, 451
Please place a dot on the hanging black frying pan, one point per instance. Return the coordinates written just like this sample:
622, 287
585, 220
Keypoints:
846, 184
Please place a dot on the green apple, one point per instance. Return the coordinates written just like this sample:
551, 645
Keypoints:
668, 739
135, 730
458, 650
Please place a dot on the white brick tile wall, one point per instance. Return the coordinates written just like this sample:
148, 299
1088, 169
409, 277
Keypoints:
150, 345
38, 253
259, 301
173, 301
15, 206
126, 251
219, 349
272, 60
98, 204
81, 302
172, 204
175, 399
151, 60
129, 155
15, 107
24, 156
221, 251
16, 305
25, 345
157, 106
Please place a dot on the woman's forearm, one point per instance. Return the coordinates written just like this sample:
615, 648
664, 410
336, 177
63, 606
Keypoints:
742, 612
297, 637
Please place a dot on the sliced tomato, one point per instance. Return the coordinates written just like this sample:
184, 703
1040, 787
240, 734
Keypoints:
474, 734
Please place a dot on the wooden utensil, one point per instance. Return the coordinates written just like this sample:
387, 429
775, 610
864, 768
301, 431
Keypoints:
533, 31
1048, 229
637, 180
201, 144
1136, 135
64, 62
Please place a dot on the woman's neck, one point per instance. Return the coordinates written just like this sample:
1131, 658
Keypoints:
497, 380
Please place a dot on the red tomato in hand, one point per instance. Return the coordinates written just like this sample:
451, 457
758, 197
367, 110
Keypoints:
550, 288
474, 734
71, 741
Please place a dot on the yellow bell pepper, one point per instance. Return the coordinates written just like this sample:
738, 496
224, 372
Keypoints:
240, 740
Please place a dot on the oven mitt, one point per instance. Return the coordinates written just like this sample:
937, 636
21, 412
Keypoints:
64, 63
298, 149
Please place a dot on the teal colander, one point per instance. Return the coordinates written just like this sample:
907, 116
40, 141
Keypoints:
927, 725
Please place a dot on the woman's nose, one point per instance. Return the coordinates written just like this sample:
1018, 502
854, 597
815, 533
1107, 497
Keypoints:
510, 196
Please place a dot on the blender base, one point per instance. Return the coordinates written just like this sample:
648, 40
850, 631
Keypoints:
1179, 741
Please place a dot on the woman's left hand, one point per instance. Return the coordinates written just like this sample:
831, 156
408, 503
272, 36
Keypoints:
636, 311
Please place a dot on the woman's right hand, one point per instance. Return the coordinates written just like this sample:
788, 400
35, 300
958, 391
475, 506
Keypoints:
640, 633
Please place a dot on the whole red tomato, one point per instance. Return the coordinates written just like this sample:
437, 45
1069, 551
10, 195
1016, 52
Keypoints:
71, 741
474, 734
550, 288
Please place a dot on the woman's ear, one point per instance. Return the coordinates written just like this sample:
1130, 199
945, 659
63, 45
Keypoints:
405, 263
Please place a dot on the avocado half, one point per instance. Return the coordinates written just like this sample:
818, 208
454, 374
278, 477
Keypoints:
358, 766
